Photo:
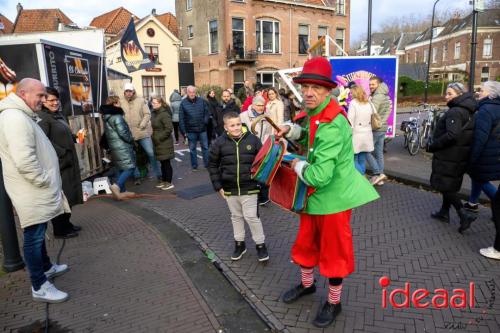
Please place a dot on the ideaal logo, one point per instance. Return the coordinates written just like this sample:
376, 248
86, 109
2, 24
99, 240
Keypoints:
440, 298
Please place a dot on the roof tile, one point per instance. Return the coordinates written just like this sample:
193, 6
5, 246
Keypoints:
170, 22
33, 20
6, 25
114, 21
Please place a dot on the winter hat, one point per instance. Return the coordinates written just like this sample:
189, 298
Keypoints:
128, 86
317, 71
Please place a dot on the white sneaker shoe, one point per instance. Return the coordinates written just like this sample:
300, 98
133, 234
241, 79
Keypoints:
49, 293
168, 186
490, 252
56, 270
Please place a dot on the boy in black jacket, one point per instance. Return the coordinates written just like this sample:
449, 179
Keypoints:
229, 164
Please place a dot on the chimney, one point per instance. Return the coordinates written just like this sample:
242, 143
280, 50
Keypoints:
153, 12
19, 7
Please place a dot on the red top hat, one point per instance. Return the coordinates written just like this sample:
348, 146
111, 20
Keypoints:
317, 71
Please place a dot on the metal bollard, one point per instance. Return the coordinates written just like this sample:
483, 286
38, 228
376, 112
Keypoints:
12, 260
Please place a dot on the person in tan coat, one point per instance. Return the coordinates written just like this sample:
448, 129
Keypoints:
138, 118
33, 182
275, 107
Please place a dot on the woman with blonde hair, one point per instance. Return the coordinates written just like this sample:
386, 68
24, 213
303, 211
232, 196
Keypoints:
275, 107
360, 114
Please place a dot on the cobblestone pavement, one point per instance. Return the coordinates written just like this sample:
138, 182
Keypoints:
393, 237
123, 278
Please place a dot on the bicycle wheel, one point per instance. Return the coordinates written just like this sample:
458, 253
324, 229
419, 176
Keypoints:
424, 135
405, 143
413, 143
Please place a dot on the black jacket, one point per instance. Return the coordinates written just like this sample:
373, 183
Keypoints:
451, 143
221, 111
193, 115
57, 129
227, 157
485, 152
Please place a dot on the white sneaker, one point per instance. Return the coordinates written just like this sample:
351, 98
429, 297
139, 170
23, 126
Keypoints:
49, 293
490, 252
56, 270
160, 185
168, 186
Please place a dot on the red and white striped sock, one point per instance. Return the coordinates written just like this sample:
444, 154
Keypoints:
334, 294
307, 276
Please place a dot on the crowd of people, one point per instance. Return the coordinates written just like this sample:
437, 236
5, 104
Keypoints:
39, 161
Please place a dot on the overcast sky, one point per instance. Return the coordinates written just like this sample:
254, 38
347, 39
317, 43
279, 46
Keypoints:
82, 11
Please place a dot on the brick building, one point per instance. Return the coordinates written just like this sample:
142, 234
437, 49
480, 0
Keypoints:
235, 40
451, 48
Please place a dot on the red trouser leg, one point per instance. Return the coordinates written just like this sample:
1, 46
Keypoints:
325, 240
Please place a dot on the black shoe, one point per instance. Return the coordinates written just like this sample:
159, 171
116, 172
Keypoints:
67, 235
471, 207
441, 215
326, 316
262, 252
466, 218
239, 250
297, 292
76, 228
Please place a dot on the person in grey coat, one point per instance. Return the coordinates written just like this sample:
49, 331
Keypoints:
175, 104
120, 140
56, 127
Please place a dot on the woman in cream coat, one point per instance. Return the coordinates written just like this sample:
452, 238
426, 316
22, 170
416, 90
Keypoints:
275, 107
360, 114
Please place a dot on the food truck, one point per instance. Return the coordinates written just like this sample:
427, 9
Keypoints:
72, 62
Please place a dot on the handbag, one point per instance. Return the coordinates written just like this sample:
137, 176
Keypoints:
287, 189
267, 160
375, 119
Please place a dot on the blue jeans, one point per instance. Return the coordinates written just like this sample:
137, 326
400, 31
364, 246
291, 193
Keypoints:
376, 157
193, 139
488, 188
360, 162
35, 254
147, 145
122, 178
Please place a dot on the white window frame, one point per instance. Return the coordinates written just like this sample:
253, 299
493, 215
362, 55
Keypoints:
154, 79
407, 58
244, 33
416, 56
340, 5
190, 32
323, 27
189, 5
210, 51
260, 73
337, 51
458, 46
485, 78
261, 36
426, 55
308, 37
490, 44
157, 46
434, 55
445, 52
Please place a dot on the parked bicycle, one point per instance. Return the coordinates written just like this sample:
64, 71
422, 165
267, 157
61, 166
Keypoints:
411, 129
428, 125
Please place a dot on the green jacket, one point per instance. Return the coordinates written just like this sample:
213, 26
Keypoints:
331, 172
162, 134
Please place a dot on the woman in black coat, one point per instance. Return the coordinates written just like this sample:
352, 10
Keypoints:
451, 144
57, 129
485, 156
213, 103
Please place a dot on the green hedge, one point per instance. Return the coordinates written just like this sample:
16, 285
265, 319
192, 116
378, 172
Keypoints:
204, 89
410, 87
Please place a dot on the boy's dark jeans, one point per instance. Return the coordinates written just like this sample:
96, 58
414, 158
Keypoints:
35, 254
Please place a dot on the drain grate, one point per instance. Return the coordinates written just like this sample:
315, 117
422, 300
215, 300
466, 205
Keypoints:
194, 192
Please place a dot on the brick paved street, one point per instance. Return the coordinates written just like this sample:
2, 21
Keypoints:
393, 236
123, 278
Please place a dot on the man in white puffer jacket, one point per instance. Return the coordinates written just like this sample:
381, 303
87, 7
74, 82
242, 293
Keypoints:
33, 182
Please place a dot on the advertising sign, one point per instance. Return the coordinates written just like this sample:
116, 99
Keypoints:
359, 70
16, 63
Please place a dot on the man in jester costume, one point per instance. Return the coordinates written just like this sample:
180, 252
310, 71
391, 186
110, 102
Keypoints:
335, 187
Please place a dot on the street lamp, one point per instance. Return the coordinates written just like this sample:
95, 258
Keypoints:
429, 55
369, 39
472, 71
